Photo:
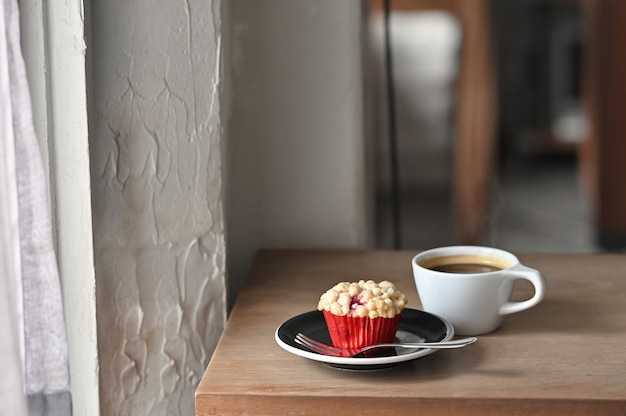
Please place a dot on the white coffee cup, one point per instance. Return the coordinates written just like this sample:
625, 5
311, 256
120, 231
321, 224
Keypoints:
473, 300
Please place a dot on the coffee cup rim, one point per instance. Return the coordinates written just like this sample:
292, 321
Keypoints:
503, 255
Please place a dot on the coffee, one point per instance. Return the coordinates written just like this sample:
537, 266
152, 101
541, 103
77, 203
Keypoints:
463, 263
465, 268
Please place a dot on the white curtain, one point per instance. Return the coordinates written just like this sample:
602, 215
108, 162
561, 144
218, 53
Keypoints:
33, 345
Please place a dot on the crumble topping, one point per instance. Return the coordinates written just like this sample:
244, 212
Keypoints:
363, 298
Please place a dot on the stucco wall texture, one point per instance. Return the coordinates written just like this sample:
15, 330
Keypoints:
157, 198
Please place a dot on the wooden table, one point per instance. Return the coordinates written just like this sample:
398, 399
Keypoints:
565, 356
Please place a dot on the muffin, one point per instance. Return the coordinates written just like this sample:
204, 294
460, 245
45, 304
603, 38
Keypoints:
362, 313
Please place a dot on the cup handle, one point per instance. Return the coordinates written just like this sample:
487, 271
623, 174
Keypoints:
534, 276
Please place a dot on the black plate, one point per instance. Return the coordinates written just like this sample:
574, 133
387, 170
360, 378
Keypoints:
415, 325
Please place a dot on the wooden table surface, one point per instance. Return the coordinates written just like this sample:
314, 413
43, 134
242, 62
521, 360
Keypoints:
565, 356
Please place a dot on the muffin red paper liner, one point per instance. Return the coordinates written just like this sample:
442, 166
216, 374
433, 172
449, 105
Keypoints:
357, 332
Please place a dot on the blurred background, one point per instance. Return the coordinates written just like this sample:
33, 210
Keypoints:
532, 54
410, 124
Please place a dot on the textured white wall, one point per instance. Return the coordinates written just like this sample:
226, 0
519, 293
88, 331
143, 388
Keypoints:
157, 192
297, 154
296, 171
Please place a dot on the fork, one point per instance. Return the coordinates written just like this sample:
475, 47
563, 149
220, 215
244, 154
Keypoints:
332, 351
